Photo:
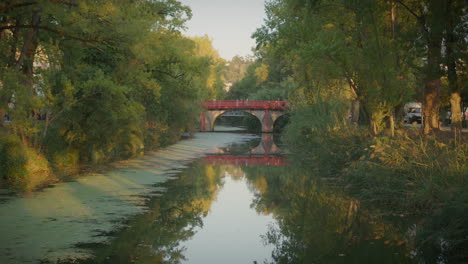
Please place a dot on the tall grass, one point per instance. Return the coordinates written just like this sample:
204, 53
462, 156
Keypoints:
406, 174
21, 167
410, 173
13, 161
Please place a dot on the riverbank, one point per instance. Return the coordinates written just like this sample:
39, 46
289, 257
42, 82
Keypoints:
25, 169
408, 175
83, 210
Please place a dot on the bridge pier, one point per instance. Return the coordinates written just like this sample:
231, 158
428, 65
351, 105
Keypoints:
267, 112
266, 117
208, 119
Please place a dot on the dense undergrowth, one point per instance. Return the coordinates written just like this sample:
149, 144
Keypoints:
97, 92
24, 168
409, 174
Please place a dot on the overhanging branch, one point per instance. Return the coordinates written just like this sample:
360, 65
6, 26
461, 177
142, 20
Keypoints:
18, 5
409, 9
58, 32
11, 6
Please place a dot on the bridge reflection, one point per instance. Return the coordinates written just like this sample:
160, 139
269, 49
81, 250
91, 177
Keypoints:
246, 160
256, 152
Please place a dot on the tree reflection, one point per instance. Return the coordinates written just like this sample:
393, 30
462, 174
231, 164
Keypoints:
316, 223
172, 217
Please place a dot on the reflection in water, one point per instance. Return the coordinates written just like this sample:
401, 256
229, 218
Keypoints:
232, 231
172, 217
221, 213
203, 216
47, 224
261, 151
316, 223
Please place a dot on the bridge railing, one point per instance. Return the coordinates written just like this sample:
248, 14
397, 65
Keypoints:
245, 104
247, 161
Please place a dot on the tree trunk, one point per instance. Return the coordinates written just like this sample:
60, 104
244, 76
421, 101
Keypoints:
26, 59
433, 85
13, 48
2, 116
431, 106
25, 66
355, 112
392, 123
455, 97
455, 102
435, 29
2, 22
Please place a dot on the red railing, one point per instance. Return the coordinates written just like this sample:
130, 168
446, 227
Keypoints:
245, 104
247, 161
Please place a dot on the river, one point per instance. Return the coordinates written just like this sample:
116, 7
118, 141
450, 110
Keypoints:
216, 198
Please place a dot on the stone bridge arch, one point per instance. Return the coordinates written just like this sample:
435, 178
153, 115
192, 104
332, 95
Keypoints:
267, 118
266, 111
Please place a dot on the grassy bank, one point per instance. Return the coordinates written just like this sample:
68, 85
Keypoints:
24, 168
408, 174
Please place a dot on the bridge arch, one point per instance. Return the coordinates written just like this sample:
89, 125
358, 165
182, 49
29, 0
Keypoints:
281, 122
266, 111
264, 145
240, 113
266, 118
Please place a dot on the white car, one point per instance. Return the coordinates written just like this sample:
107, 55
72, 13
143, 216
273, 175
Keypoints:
412, 113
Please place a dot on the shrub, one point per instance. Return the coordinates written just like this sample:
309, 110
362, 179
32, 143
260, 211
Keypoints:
22, 168
409, 174
13, 161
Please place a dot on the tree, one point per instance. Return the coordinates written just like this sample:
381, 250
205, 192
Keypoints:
105, 79
336, 43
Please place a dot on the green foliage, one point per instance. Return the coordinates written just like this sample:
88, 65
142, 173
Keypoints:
258, 85
411, 174
237, 69
99, 81
445, 235
22, 168
370, 47
13, 161
319, 223
403, 175
170, 219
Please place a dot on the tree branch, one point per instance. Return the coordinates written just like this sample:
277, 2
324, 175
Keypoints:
11, 6
409, 9
58, 32
68, 3
170, 75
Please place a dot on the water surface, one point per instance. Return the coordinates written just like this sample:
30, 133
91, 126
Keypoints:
193, 203
50, 224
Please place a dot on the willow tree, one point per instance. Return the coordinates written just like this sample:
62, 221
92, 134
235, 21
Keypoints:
443, 33
329, 43
108, 77
455, 58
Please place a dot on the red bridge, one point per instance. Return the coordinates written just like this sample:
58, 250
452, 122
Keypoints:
245, 104
246, 161
266, 111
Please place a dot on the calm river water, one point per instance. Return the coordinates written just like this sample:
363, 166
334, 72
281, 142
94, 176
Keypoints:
217, 198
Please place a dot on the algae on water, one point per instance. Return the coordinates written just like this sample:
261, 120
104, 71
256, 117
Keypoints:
51, 223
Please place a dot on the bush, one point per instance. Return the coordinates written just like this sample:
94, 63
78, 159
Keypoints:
405, 175
13, 161
321, 138
22, 168
445, 235
408, 174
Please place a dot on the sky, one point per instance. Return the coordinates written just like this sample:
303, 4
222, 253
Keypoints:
229, 23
